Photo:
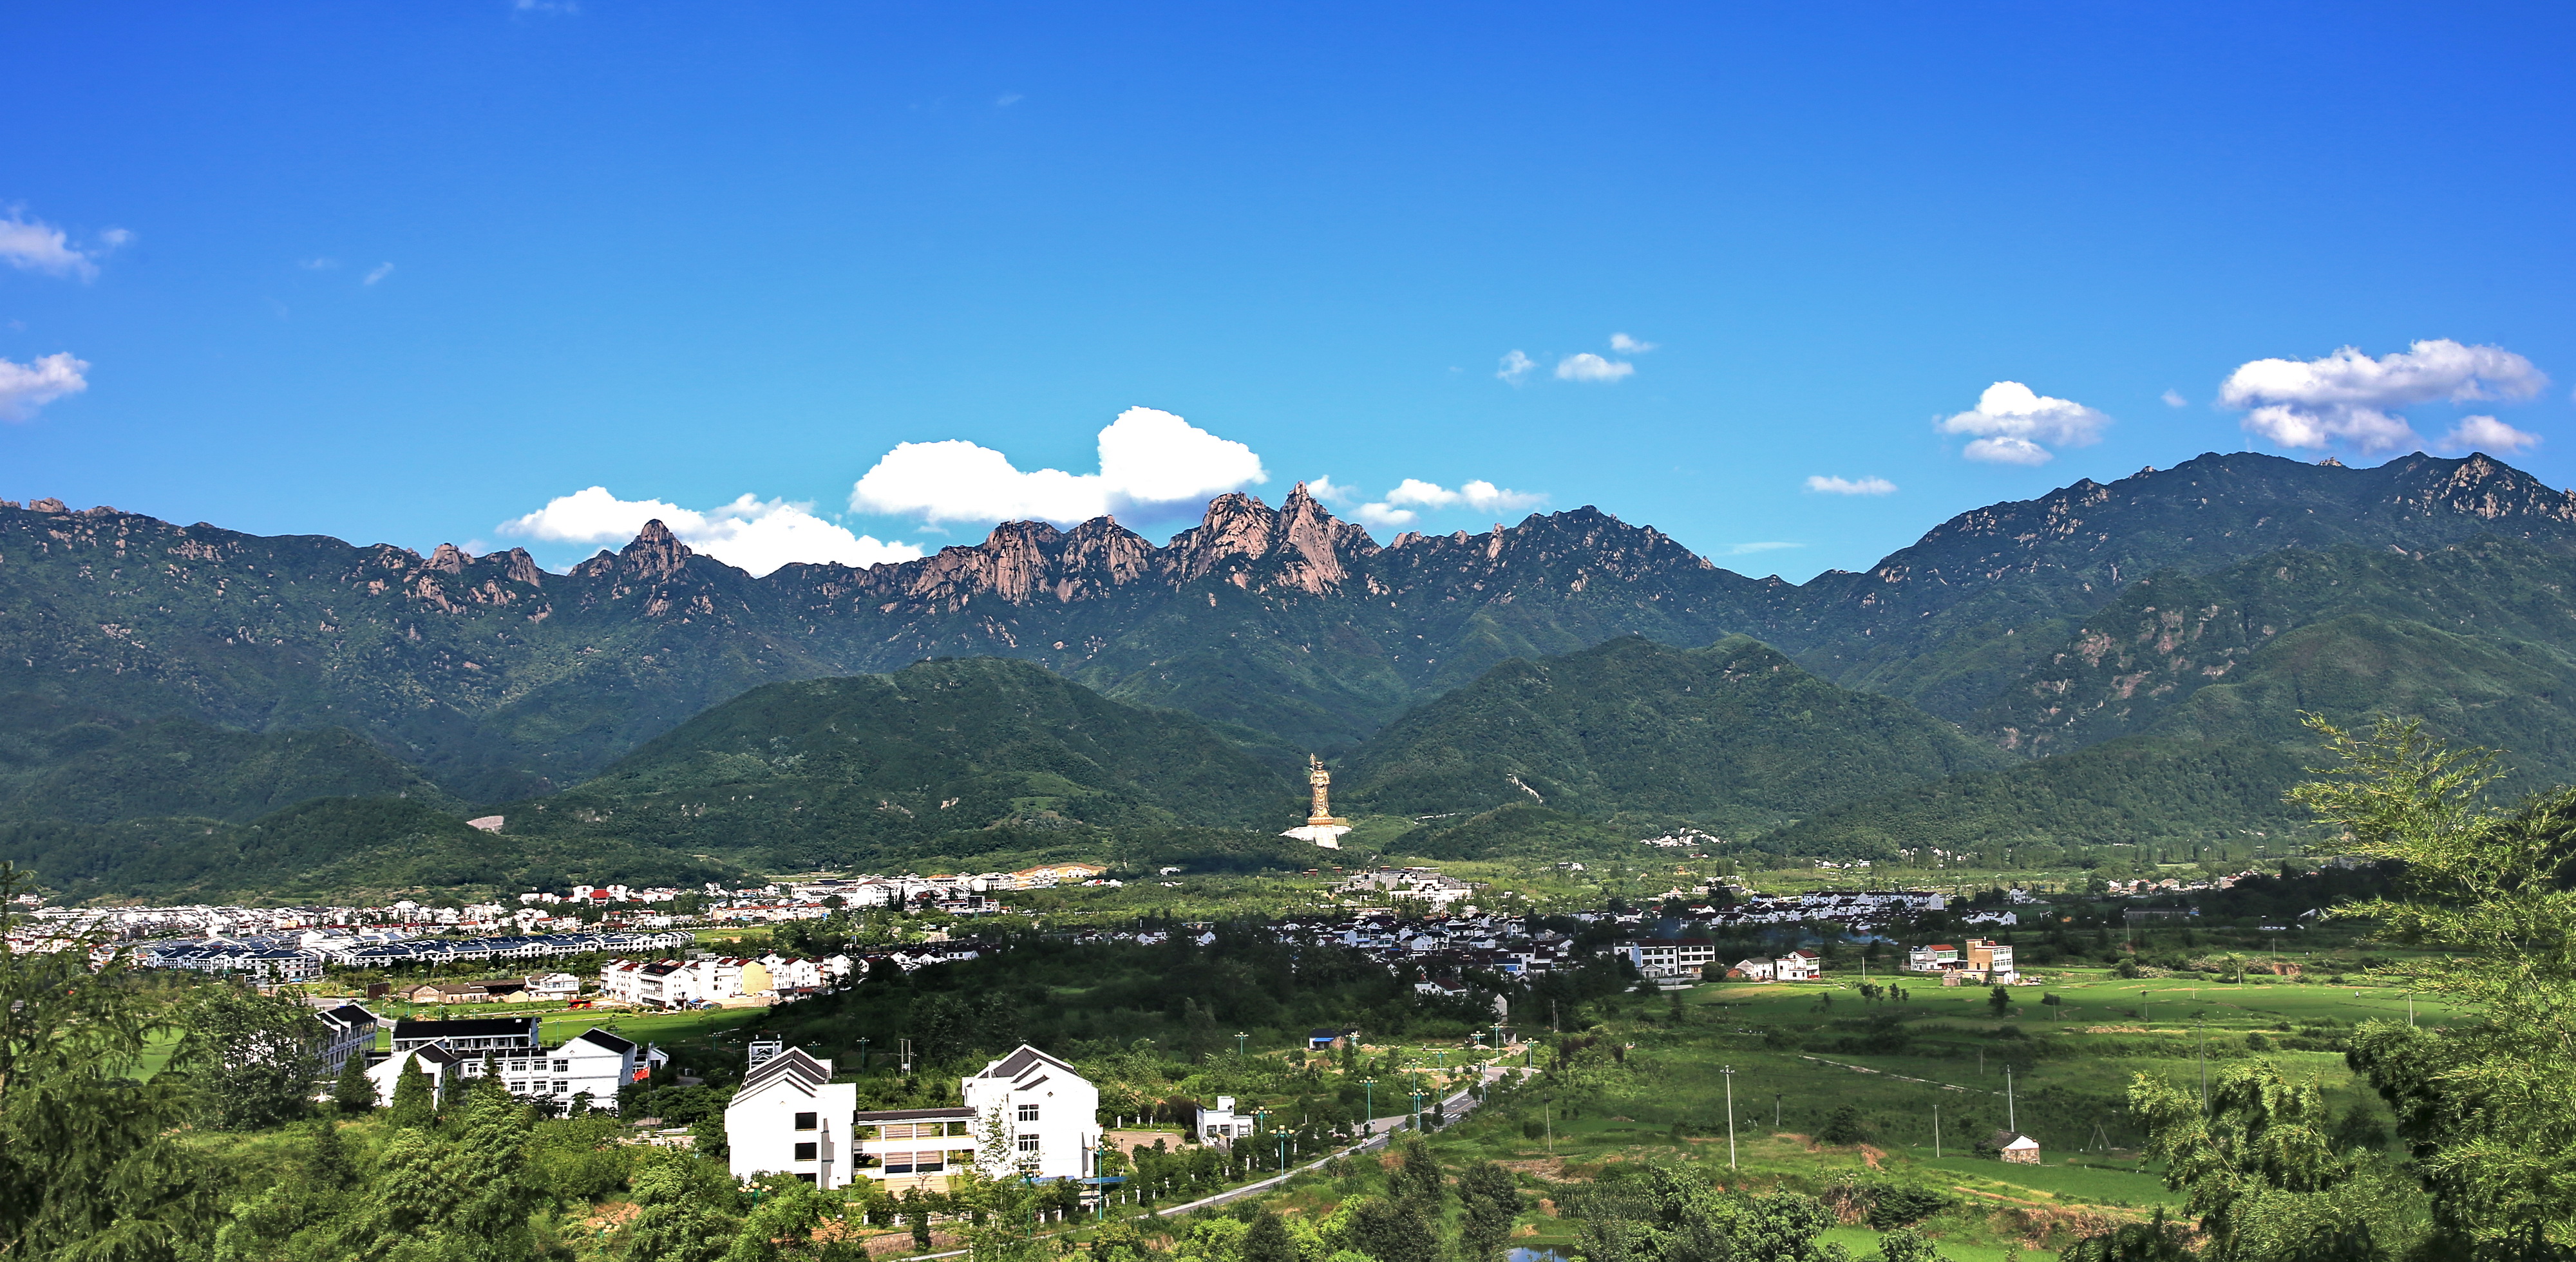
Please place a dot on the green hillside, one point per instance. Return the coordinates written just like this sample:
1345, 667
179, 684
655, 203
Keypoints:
66, 763
2214, 766
1733, 735
950, 758
329, 846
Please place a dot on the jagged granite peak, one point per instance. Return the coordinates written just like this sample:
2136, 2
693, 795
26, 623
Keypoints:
450, 559
655, 555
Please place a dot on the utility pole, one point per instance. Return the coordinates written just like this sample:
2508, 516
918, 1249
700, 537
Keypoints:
1936, 1130
2012, 1118
907, 1058
1729, 1071
1369, 1085
1775, 1110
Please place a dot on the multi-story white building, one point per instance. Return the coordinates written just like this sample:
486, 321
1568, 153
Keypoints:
1051, 1113
588, 1068
790, 1116
345, 1031
1798, 966
1663, 958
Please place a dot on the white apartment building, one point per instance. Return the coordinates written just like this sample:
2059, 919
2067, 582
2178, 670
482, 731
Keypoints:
344, 1031
790, 1116
588, 1068
1668, 957
1051, 1113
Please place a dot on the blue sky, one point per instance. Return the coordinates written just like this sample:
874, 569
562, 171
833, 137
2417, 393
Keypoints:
412, 273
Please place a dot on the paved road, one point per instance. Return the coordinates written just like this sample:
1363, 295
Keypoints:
1381, 1132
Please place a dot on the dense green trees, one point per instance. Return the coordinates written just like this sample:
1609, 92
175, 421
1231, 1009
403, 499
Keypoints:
258, 1067
87, 1159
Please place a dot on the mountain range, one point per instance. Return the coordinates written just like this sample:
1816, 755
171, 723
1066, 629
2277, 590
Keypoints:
2097, 639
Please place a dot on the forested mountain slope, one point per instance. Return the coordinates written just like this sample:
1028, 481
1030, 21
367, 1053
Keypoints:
961, 756
2203, 603
1732, 735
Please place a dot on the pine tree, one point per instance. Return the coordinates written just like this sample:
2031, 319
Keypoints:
413, 1103
1492, 1202
1267, 1240
84, 1150
353, 1092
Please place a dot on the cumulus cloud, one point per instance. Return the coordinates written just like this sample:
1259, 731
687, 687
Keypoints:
2486, 433
2012, 422
2351, 398
1626, 345
1149, 460
1850, 486
27, 387
1586, 366
2008, 449
2174, 399
1516, 367
377, 273
755, 534
32, 245
1398, 507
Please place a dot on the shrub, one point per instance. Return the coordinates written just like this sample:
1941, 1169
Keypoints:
1843, 1126
1893, 1205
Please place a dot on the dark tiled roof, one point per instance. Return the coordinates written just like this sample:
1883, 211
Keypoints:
1021, 1061
478, 1027
796, 1059
607, 1040
915, 1115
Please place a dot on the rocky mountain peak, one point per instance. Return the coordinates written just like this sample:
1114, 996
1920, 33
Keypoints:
449, 559
656, 553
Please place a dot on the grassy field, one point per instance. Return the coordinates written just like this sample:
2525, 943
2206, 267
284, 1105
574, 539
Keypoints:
1653, 1086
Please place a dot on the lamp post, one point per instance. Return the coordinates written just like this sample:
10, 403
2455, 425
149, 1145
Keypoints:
1417, 1108
863, 1055
1369, 1085
1239, 1036
1729, 1071
1100, 1177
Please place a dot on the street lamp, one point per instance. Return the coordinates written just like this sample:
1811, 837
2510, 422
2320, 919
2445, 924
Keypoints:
1370, 1086
1239, 1036
1729, 1071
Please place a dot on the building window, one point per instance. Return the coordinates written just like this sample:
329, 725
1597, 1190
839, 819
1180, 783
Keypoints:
804, 1121
563, 1066
1028, 1112
1028, 1145
805, 1152
806, 1177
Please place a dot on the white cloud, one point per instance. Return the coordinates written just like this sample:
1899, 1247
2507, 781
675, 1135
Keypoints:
1850, 486
2174, 399
2012, 421
2486, 433
2351, 398
1747, 549
1330, 492
1586, 366
755, 534
26, 387
1626, 345
1149, 459
319, 264
33, 245
1516, 367
1007, 100
377, 273
1397, 508
2008, 449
